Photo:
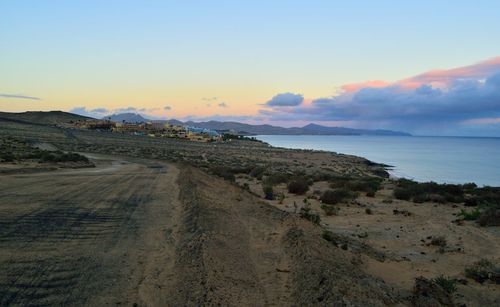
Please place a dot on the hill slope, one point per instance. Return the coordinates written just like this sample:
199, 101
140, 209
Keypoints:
44, 118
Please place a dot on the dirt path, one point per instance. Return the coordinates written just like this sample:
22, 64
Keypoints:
154, 234
87, 237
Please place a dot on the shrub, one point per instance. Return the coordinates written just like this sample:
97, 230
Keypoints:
71, 157
368, 211
268, 192
420, 198
490, 217
484, 270
367, 184
223, 172
298, 186
487, 195
470, 216
281, 197
370, 193
329, 236
7, 157
257, 172
337, 182
428, 191
306, 213
402, 193
57, 156
276, 178
329, 210
333, 197
439, 241
447, 283
361, 184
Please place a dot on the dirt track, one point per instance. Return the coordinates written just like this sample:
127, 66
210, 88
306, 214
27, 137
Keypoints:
147, 233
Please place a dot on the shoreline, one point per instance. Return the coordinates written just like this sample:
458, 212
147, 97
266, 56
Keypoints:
454, 160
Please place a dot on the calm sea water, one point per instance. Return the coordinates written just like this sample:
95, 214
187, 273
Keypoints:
440, 159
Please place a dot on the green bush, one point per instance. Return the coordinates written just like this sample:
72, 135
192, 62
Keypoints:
333, 197
447, 283
298, 186
306, 213
470, 215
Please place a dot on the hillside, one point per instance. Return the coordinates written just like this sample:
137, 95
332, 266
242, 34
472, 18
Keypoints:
44, 118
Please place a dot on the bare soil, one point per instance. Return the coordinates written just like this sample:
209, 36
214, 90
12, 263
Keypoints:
150, 233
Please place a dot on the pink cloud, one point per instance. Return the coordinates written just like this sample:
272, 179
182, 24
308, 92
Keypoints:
354, 87
443, 78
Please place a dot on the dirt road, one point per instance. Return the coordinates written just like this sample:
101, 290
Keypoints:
155, 234
67, 236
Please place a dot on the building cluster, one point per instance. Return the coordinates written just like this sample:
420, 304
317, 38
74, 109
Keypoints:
152, 129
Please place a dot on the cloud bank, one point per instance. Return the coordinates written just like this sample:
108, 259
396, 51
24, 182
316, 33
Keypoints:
452, 99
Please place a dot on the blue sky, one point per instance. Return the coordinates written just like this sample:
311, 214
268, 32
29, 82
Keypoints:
171, 59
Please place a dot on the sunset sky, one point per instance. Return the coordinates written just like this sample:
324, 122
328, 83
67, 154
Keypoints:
426, 67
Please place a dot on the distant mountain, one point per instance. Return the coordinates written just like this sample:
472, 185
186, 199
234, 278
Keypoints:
318, 129
247, 129
43, 118
127, 118
55, 117
311, 129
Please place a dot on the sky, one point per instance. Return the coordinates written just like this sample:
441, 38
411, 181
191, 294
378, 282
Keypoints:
425, 67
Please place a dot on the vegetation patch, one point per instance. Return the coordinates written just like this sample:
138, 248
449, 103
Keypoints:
470, 215
490, 216
306, 213
447, 283
439, 241
298, 186
336, 196
13, 150
224, 172
484, 270
329, 209
359, 184
467, 193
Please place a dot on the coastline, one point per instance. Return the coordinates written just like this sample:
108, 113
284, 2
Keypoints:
451, 160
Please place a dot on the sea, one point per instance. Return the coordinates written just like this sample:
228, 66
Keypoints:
421, 158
